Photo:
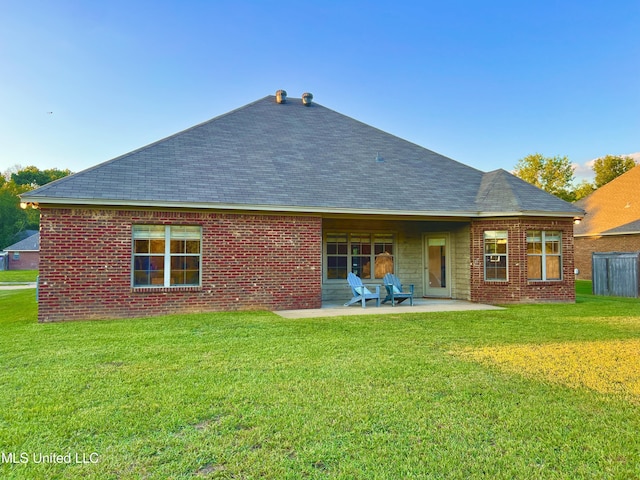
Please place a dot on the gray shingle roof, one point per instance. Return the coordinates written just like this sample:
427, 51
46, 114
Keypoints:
29, 244
291, 156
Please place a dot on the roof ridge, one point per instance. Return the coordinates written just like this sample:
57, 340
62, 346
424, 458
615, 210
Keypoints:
298, 158
489, 181
612, 207
397, 137
620, 179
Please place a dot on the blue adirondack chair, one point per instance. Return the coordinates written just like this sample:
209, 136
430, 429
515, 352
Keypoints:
394, 290
360, 292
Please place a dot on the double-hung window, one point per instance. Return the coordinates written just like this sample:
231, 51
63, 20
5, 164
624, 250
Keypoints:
368, 255
166, 255
544, 255
495, 255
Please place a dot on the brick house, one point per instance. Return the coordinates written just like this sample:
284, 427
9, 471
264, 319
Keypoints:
271, 205
612, 220
23, 255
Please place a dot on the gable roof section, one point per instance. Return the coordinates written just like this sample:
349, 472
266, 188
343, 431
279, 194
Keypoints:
514, 194
29, 244
291, 157
614, 208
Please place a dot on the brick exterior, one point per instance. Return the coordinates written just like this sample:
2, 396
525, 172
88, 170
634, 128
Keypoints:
248, 262
519, 288
27, 261
585, 246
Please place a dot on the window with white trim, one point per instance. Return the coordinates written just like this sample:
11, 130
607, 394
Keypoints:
495, 255
166, 255
544, 255
358, 253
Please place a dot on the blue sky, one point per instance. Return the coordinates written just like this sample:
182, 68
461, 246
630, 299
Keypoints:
485, 83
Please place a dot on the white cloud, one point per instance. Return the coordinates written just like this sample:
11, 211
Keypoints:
584, 171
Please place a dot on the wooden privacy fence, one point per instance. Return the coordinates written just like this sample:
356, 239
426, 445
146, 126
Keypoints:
616, 273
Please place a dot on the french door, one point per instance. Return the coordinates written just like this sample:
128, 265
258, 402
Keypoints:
437, 275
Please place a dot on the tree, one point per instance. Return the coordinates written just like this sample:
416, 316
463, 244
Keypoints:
609, 167
7, 173
551, 174
583, 189
36, 178
14, 219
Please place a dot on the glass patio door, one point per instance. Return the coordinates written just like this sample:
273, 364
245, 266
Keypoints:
436, 266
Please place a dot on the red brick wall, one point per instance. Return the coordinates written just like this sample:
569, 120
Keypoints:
248, 262
518, 288
585, 246
27, 261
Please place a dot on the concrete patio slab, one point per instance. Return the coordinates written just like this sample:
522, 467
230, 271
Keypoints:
419, 306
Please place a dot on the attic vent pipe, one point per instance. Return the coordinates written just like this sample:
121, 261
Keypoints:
306, 99
281, 96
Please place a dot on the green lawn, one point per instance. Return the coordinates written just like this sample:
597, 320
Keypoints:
253, 395
18, 276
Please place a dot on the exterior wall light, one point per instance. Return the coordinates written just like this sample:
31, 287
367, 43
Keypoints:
25, 205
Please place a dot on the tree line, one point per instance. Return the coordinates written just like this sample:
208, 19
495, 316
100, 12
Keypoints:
556, 174
14, 182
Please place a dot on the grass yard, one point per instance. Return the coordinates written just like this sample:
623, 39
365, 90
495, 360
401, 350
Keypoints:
253, 395
18, 276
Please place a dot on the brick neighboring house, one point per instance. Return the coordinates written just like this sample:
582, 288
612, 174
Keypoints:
25, 254
270, 206
612, 220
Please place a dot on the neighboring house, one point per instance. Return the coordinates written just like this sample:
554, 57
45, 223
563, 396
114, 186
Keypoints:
271, 205
612, 220
23, 255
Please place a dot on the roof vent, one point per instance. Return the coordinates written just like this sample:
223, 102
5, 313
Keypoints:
306, 99
281, 96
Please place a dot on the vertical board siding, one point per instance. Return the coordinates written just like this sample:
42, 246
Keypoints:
409, 266
461, 263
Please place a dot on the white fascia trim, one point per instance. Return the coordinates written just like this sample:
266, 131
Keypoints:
526, 213
283, 208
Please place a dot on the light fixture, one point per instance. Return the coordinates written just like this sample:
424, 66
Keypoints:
25, 205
